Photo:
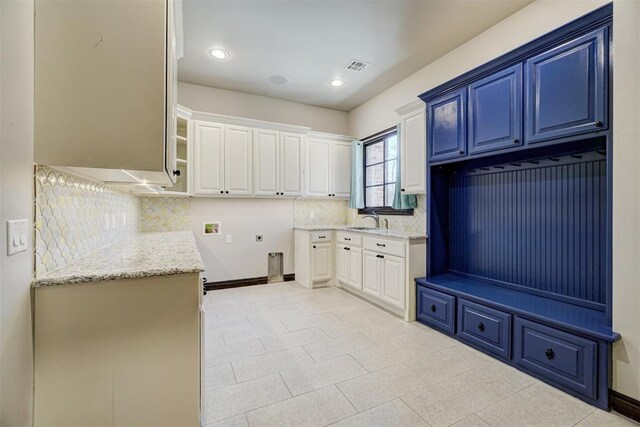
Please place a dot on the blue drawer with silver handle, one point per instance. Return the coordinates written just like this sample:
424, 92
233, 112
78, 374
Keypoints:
485, 328
558, 356
436, 309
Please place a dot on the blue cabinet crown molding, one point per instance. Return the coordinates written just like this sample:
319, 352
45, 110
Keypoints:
573, 29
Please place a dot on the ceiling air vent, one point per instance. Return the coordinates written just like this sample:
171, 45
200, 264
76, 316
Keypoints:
356, 65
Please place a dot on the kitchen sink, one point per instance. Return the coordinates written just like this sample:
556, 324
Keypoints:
360, 228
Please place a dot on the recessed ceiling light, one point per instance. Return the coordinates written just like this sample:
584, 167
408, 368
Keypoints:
278, 79
336, 82
219, 53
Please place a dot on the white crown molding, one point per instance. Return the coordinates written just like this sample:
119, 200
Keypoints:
410, 107
253, 123
183, 112
330, 136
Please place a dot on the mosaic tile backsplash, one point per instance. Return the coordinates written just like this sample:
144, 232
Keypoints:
71, 215
320, 212
166, 214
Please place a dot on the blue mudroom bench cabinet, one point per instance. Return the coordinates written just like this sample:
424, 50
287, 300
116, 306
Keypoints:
519, 208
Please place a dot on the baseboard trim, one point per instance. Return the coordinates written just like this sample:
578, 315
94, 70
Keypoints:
627, 406
239, 283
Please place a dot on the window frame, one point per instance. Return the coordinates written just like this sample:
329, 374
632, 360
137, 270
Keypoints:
380, 138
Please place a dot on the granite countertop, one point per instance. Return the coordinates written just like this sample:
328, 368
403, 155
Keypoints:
371, 231
144, 255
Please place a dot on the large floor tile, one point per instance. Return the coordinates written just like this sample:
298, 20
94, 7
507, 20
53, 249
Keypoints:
237, 421
538, 405
219, 376
444, 364
240, 398
317, 408
600, 418
392, 414
293, 339
341, 328
498, 377
271, 363
260, 331
383, 356
471, 421
303, 379
339, 346
309, 321
220, 354
379, 387
268, 316
446, 402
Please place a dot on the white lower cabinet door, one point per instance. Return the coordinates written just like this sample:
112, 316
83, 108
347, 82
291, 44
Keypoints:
393, 283
371, 274
355, 268
342, 264
320, 262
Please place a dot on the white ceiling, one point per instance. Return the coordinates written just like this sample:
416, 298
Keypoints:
311, 41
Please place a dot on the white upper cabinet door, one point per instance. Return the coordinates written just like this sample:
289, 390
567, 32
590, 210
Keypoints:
208, 158
393, 283
291, 164
238, 157
413, 146
371, 277
321, 262
317, 171
355, 268
265, 163
342, 264
341, 170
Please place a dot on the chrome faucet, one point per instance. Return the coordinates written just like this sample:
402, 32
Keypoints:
386, 223
375, 216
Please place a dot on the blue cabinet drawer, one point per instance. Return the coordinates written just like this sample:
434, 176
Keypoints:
436, 309
485, 327
560, 357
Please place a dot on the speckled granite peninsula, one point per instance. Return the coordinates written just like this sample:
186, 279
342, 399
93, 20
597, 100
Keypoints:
144, 255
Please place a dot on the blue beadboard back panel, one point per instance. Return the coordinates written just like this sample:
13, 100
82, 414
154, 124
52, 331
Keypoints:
539, 226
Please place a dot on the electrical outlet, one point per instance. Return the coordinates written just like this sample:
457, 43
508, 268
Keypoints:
124, 219
312, 214
228, 238
259, 238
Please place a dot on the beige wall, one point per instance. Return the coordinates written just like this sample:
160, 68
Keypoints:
626, 196
532, 21
239, 104
16, 192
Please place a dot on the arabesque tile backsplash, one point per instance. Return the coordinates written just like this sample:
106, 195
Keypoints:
70, 218
166, 214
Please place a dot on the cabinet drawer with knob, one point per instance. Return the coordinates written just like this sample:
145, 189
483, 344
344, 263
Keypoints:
436, 309
348, 238
321, 236
385, 246
485, 328
558, 356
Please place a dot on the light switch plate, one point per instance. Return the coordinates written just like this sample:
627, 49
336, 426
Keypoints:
17, 239
228, 238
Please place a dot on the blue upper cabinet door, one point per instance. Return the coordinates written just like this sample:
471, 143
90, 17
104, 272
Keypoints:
566, 89
495, 111
446, 126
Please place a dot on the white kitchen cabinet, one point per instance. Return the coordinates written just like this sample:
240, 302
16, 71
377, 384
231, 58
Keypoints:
342, 263
238, 160
349, 266
105, 89
313, 258
208, 153
372, 282
222, 159
277, 158
393, 283
341, 170
321, 262
318, 178
413, 143
290, 166
328, 166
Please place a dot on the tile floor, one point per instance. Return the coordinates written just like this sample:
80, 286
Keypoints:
281, 355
